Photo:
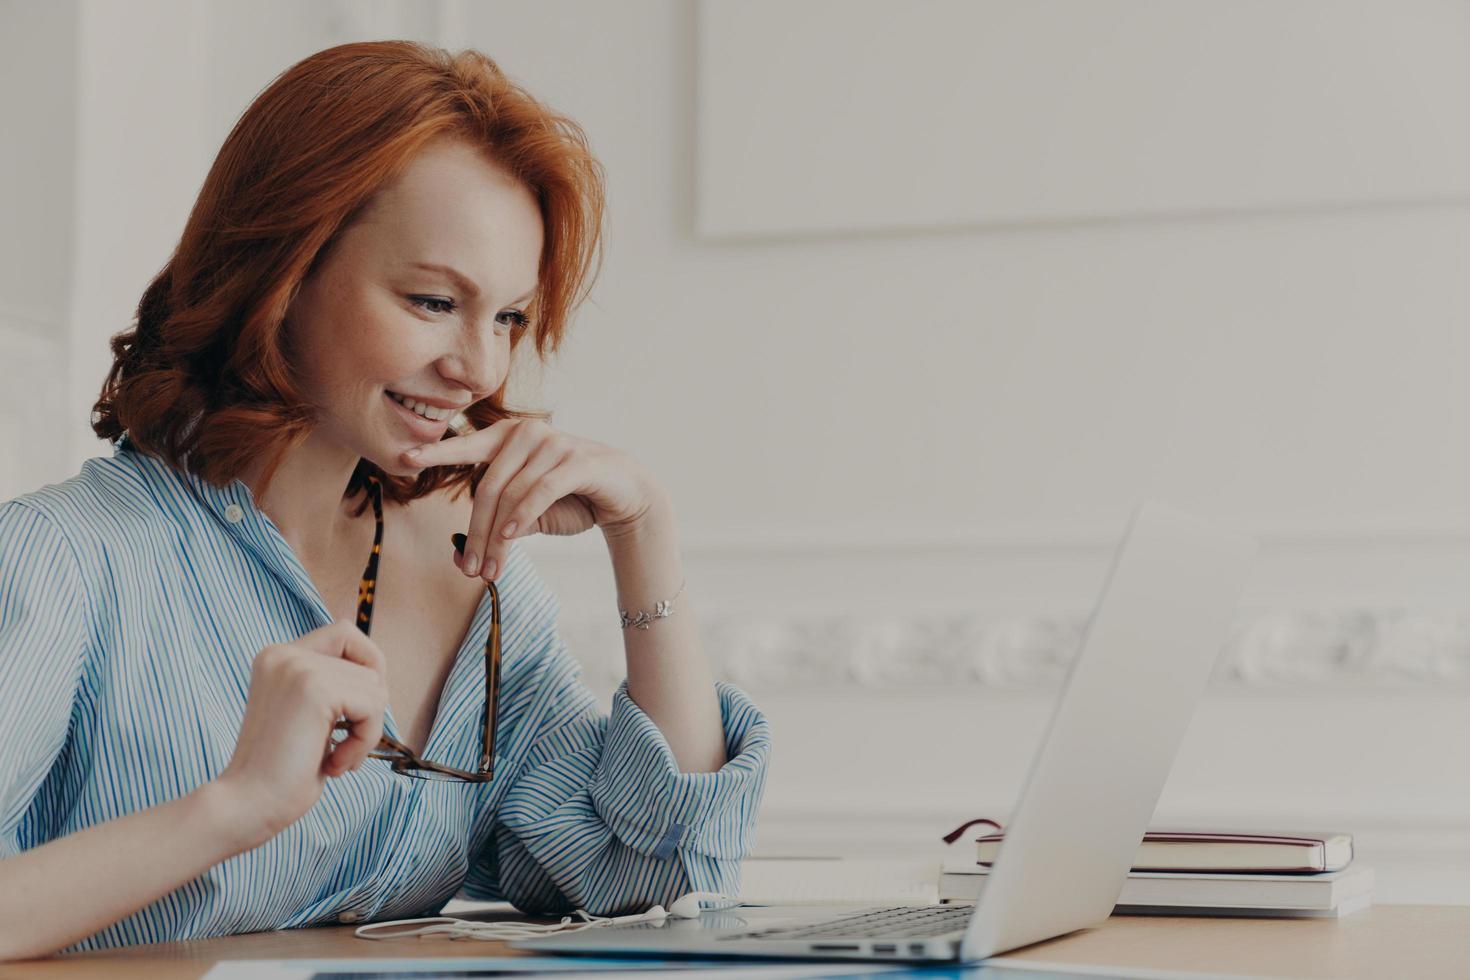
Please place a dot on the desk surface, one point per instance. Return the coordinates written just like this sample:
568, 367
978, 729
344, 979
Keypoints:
1421, 941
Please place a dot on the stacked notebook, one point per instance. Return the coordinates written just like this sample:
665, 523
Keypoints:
1179, 872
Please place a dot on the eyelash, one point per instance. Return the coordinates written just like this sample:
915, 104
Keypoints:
519, 320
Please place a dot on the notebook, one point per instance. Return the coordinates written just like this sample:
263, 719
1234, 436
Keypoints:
1215, 850
1329, 893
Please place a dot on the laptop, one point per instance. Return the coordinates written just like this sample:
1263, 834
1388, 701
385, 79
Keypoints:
1163, 616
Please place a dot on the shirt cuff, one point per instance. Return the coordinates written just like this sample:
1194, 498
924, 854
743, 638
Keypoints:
657, 810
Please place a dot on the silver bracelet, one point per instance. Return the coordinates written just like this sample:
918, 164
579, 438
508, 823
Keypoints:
662, 609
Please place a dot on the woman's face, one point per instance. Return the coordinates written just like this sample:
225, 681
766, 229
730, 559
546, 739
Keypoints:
372, 327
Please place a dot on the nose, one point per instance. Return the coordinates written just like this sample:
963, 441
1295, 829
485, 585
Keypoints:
476, 361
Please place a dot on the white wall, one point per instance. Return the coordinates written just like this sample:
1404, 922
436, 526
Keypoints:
1019, 111
38, 95
900, 456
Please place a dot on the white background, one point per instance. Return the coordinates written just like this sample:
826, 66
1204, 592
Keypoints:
909, 305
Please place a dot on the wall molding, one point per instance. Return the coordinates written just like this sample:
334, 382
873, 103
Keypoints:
1336, 650
1374, 606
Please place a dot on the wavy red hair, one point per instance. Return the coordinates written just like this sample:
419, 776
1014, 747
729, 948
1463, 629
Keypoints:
202, 378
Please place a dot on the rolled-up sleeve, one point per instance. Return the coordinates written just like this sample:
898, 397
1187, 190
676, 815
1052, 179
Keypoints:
600, 817
43, 644
654, 808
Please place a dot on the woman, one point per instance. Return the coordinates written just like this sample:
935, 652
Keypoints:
231, 654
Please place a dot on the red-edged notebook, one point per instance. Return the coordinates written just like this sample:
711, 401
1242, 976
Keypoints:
1212, 850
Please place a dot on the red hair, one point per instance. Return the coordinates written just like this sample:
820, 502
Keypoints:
202, 379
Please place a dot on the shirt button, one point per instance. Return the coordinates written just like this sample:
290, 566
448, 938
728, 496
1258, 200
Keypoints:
234, 513
348, 916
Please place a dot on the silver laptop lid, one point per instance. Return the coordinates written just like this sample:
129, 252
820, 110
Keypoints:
1162, 619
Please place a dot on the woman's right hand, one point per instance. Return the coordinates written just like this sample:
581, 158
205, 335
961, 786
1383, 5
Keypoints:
285, 753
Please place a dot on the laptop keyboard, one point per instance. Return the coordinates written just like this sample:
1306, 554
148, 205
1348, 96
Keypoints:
907, 922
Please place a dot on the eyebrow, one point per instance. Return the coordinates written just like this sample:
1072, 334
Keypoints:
463, 281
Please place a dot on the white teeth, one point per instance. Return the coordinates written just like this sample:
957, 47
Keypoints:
419, 408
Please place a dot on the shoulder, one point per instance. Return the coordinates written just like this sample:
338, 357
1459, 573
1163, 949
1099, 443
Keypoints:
103, 492
107, 499
30, 536
45, 603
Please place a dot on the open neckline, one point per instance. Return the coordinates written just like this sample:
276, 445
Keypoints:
258, 534
367, 593
452, 682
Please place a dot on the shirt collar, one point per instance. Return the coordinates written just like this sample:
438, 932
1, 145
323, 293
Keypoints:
234, 507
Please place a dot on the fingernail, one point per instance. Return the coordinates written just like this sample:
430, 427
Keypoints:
472, 563
490, 568
458, 540
412, 453
509, 530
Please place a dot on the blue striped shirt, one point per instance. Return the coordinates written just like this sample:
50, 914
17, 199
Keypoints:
133, 599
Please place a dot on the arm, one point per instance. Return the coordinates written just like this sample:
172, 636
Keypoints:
56, 893
540, 480
61, 892
603, 813
668, 675
599, 814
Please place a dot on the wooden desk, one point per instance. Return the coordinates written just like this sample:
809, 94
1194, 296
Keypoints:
1425, 942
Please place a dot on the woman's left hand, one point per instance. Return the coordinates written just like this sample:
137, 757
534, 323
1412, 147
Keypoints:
540, 480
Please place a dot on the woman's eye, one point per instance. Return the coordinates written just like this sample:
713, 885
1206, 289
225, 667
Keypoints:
422, 302
439, 305
515, 319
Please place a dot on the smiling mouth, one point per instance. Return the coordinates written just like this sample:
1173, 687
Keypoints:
428, 413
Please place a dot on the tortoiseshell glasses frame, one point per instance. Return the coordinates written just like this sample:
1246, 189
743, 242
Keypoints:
406, 761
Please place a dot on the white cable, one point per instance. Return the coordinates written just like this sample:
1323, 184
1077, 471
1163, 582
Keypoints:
453, 928
686, 907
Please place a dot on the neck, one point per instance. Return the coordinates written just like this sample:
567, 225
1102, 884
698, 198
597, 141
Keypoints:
304, 498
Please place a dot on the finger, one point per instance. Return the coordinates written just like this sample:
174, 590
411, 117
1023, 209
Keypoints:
506, 464
344, 640
547, 457
361, 699
364, 733
565, 477
472, 448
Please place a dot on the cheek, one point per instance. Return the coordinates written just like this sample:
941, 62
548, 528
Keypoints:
386, 347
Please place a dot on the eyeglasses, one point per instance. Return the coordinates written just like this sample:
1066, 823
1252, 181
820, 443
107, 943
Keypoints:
407, 762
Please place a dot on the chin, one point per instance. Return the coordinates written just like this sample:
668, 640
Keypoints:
396, 468
385, 455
